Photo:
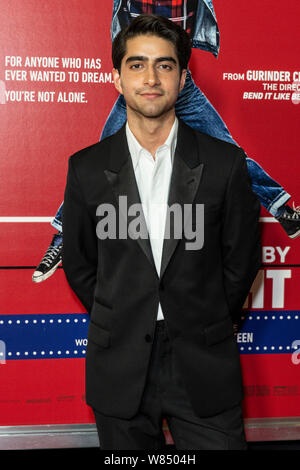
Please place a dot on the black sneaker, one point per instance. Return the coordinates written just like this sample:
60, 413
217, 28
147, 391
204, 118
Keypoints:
290, 220
51, 259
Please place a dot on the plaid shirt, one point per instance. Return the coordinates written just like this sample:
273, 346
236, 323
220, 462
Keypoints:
182, 12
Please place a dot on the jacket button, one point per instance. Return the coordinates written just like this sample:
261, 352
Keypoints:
148, 338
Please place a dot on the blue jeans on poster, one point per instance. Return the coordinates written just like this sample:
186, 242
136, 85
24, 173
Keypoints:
195, 110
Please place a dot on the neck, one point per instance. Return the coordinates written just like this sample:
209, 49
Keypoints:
151, 133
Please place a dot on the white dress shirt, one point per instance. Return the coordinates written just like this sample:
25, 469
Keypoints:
153, 180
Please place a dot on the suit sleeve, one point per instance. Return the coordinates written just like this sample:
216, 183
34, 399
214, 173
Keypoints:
241, 242
79, 254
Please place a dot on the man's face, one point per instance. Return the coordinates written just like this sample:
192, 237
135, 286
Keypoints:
150, 77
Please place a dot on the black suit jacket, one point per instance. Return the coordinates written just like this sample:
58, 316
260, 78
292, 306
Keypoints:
201, 291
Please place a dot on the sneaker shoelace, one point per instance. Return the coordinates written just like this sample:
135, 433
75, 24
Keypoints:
51, 253
296, 214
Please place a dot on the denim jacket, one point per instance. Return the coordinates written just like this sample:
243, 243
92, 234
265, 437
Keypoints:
206, 32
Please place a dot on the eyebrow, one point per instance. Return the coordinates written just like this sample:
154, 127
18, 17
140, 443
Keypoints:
145, 59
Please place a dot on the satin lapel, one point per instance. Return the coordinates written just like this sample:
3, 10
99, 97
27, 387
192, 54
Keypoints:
185, 179
120, 175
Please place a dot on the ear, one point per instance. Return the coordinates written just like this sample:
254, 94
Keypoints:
182, 79
117, 80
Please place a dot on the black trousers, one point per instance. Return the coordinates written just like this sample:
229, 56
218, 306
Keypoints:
165, 396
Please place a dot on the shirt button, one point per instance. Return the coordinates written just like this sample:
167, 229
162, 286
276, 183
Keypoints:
148, 338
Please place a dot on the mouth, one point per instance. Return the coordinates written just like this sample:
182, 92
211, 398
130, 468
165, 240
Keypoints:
151, 95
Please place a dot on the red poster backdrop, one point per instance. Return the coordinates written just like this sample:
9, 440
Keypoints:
56, 92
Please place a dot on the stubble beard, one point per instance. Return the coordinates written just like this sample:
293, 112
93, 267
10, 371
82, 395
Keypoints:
152, 110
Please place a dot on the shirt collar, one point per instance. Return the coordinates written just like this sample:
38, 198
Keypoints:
135, 147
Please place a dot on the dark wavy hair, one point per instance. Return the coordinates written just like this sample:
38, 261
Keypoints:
156, 26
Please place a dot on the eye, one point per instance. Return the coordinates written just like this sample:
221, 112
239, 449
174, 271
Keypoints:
136, 66
165, 66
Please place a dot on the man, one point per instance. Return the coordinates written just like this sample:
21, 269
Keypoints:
199, 20
160, 339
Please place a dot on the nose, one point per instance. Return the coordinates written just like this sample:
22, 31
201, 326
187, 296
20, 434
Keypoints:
151, 76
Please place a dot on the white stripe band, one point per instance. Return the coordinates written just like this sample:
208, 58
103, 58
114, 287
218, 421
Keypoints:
49, 219
26, 219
